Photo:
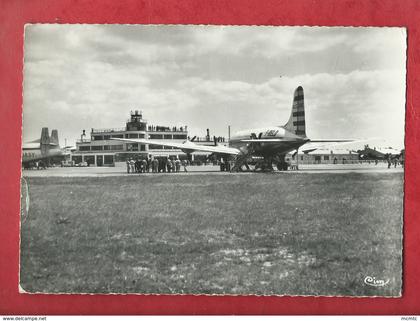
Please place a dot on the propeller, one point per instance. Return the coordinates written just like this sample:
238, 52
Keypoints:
192, 139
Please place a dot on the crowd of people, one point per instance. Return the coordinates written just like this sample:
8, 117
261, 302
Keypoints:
394, 161
156, 165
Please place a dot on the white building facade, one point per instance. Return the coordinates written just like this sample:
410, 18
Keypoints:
101, 150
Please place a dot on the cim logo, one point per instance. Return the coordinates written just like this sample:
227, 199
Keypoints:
372, 281
271, 132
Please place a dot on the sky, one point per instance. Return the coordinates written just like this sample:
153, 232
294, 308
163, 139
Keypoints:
91, 76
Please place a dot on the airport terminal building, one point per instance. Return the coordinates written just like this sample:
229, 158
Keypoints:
325, 155
101, 150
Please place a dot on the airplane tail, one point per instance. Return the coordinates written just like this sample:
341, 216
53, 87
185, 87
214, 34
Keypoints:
45, 141
45, 136
54, 137
296, 123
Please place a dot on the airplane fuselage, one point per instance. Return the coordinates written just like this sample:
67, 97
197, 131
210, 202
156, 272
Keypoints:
36, 154
283, 141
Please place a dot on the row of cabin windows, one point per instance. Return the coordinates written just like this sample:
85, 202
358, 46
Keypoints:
151, 136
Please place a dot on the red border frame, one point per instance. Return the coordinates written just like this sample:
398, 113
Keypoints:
15, 13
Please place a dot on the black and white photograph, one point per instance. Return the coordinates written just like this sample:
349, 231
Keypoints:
214, 160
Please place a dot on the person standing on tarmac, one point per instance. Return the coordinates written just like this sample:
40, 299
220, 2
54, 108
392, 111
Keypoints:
184, 164
172, 165
137, 165
169, 165
132, 165
148, 164
177, 164
143, 165
222, 165
227, 166
155, 165
128, 166
164, 164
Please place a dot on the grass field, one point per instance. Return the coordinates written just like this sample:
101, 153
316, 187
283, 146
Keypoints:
296, 234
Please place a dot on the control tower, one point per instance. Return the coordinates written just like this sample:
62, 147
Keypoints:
136, 122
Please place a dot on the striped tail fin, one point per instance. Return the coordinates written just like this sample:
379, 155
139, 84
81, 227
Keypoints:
296, 123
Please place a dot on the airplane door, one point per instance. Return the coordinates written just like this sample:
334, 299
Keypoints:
99, 160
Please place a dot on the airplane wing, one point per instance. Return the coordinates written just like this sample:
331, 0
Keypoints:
186, 146
315, 144
332, 140
30, 145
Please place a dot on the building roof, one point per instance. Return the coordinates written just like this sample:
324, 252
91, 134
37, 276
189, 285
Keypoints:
328, 151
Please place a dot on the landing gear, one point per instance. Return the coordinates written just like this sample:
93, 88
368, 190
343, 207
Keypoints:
265, 165
238, 167
282, 166
240, 161
262, 165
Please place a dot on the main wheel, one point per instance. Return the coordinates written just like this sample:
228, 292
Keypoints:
282, 166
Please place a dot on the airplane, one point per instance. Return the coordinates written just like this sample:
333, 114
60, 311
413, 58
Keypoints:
378, 154
43, 149
270, 144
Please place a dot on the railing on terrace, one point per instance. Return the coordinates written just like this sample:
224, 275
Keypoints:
153, 128
142, 120
85, 140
